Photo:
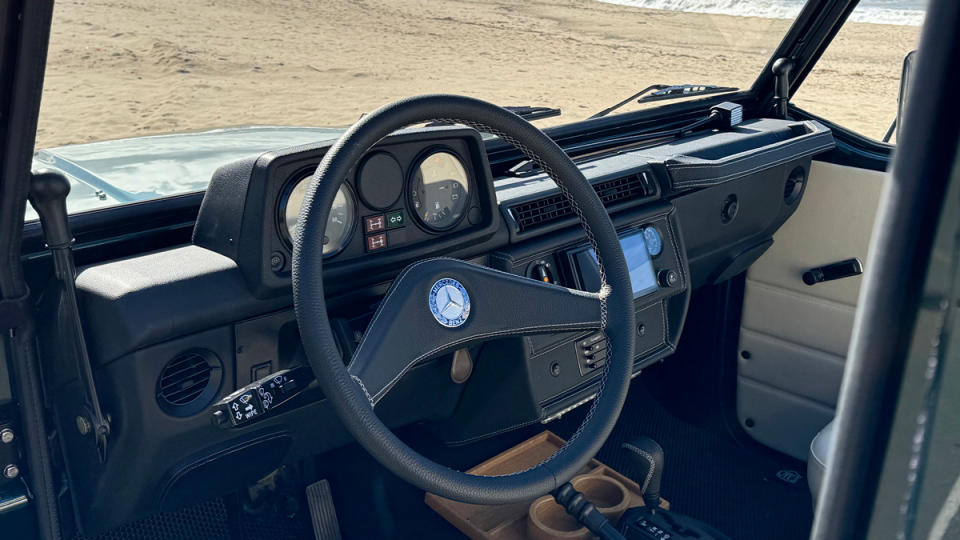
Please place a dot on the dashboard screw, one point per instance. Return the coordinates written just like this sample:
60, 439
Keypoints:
11, 471
83, 425
6, 435
641, 330
277, 261
555, 369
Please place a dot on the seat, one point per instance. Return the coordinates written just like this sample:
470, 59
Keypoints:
821, 447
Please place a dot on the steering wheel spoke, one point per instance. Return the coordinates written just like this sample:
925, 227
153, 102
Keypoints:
439, 305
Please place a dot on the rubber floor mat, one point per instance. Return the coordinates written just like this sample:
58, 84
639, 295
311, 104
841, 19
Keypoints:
212, 520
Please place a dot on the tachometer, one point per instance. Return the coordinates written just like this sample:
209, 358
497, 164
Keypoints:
339, 223
439, 190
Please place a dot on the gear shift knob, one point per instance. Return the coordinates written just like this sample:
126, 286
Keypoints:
646, 455
48, 195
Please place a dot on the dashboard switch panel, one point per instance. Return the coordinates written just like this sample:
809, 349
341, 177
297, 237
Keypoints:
592, 352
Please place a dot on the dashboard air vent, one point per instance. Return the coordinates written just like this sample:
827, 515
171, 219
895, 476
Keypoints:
531, 214
189, 382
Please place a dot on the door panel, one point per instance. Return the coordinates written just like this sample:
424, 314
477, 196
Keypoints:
794, 337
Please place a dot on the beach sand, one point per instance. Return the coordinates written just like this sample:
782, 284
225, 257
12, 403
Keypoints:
122, 68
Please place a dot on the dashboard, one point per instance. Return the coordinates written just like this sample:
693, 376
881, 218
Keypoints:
175, 332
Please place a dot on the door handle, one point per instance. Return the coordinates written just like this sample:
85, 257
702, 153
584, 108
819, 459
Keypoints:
830, 272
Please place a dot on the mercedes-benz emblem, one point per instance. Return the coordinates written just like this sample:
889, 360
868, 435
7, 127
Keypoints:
449, 302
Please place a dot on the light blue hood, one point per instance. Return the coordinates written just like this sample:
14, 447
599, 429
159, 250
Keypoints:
109, 173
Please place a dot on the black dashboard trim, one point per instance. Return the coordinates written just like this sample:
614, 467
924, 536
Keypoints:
690, 171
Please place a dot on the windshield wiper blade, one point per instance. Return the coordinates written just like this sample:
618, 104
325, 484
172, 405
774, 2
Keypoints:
668, 91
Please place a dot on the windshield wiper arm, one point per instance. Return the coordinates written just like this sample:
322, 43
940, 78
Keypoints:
531, 113
678, 91
659, 92
527, 112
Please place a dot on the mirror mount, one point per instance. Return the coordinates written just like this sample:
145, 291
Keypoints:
905, 76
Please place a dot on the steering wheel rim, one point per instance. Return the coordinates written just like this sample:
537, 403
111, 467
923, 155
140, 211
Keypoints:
351, 401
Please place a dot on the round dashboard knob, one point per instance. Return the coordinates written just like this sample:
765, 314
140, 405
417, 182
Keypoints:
668, 278
653, 240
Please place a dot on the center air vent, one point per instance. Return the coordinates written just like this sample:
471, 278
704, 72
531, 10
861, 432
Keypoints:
554, 208
189, 382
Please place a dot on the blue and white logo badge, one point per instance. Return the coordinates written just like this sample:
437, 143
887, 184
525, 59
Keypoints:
449, 302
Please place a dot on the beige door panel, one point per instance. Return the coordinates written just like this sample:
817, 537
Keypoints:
794, 337
834, 222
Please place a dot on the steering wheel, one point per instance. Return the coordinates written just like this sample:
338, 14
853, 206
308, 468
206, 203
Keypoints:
438, 305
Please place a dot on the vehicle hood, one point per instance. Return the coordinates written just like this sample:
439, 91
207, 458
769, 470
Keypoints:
109, 173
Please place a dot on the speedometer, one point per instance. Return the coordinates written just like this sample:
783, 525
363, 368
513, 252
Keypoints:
439, 190
339, 222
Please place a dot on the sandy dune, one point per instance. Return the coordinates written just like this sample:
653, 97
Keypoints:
120, 68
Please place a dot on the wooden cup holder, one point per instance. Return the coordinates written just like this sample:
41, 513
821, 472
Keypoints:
516, 521
547, 520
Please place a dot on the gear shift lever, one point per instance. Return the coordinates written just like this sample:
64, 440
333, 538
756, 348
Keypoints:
48, 195
650, 522
646, 457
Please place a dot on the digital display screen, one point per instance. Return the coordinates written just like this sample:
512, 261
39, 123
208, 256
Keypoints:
642, 277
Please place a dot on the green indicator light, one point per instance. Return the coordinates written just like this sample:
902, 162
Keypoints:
396, 219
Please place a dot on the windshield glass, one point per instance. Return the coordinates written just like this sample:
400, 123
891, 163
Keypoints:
136, 68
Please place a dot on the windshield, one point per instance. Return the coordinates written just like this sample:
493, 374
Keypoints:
136, 68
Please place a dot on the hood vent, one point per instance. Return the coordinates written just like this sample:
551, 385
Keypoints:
539, 212
189, 382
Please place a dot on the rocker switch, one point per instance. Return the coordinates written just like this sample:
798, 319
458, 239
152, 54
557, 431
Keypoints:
592, 352
376, 241
374, 224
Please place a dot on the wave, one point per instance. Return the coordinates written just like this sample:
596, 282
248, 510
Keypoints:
902, 12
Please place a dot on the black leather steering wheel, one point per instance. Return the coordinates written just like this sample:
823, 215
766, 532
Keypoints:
487, 303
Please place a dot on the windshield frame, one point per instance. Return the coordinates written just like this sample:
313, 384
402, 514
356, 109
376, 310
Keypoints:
805, 29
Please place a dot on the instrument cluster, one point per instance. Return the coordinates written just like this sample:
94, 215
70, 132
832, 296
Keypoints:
438, 190
409, 189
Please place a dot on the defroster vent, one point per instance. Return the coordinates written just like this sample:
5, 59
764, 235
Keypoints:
535, 213
189, 382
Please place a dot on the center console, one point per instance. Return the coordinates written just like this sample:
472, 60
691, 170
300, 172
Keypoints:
562, 371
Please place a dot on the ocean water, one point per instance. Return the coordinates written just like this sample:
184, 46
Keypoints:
906, 12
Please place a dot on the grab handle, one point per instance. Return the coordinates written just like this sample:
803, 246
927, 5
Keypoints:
830, 272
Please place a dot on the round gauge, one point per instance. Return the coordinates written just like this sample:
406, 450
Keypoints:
653, 240
379, 181
439, 190
339, 223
